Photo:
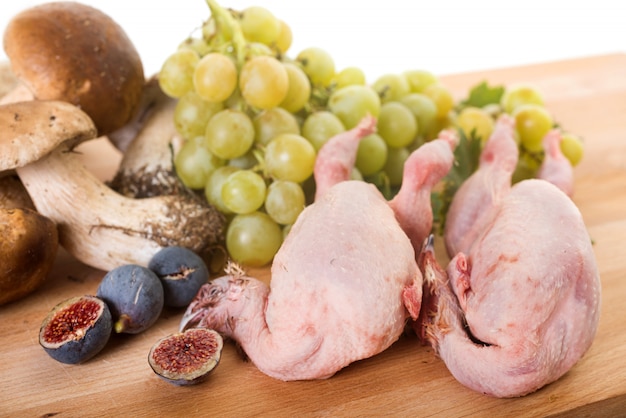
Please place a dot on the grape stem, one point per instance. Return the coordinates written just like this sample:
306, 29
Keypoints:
224, 18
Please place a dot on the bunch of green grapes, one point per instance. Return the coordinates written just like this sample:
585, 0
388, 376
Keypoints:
253, 119
533, 120
236, 108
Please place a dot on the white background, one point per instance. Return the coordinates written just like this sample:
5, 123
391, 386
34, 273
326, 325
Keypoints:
442, 36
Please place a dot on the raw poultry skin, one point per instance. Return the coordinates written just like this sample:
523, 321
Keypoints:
343, 284
518, 305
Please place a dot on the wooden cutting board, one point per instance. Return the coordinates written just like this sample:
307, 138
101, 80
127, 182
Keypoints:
587, 96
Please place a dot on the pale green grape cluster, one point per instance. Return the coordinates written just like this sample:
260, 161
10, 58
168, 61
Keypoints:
240, 110
252, 120
533, 120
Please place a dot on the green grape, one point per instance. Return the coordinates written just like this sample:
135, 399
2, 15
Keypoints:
200, 46
258, 24
355, 174
418, 80
263, 82
229, 134
532, 123
194, 163
320, 126
424, 110
521, 94
318, 65
349, 76
396, 125
438, 125
285, 37
235, 101
289, 157
572, 148
286, 229
475, 123
284, 201
213, 188
299, 89
215, 77
253, 239
371, 155
527, 166
256, 49
353, 103
394, 167
176, 75
442, 97
391, 87
272, 122
243, 191
192, 114
246, 162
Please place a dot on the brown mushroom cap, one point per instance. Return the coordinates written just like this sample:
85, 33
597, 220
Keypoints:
27, 252
72, 52
13, 194
21, 138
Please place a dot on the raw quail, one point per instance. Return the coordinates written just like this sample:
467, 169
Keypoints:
343, 284
518, 304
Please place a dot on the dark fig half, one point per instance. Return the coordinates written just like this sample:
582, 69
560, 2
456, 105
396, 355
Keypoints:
76, 329
186, 358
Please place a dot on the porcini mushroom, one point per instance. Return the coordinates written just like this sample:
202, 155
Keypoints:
75, 53
27, 251
29, 240
96, 225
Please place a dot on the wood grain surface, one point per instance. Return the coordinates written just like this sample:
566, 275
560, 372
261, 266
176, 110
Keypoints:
587, 96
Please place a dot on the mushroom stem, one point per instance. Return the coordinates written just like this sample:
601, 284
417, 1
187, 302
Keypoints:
96, 225
147, 168
105, 229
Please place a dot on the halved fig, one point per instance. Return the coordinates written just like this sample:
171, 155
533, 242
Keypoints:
76, 329
186, 358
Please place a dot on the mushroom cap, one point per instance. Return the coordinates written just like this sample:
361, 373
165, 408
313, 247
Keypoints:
27, 252
13, 194
33, 129
72, 52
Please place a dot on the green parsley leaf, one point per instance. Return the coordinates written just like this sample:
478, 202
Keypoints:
482, 95
466, 160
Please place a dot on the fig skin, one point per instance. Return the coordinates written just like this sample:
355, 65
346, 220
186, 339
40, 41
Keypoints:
135, 297
182, 272
188, 357
67, 343
28, 249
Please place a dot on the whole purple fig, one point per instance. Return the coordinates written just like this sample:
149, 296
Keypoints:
76, 329
134, 295
182, 273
